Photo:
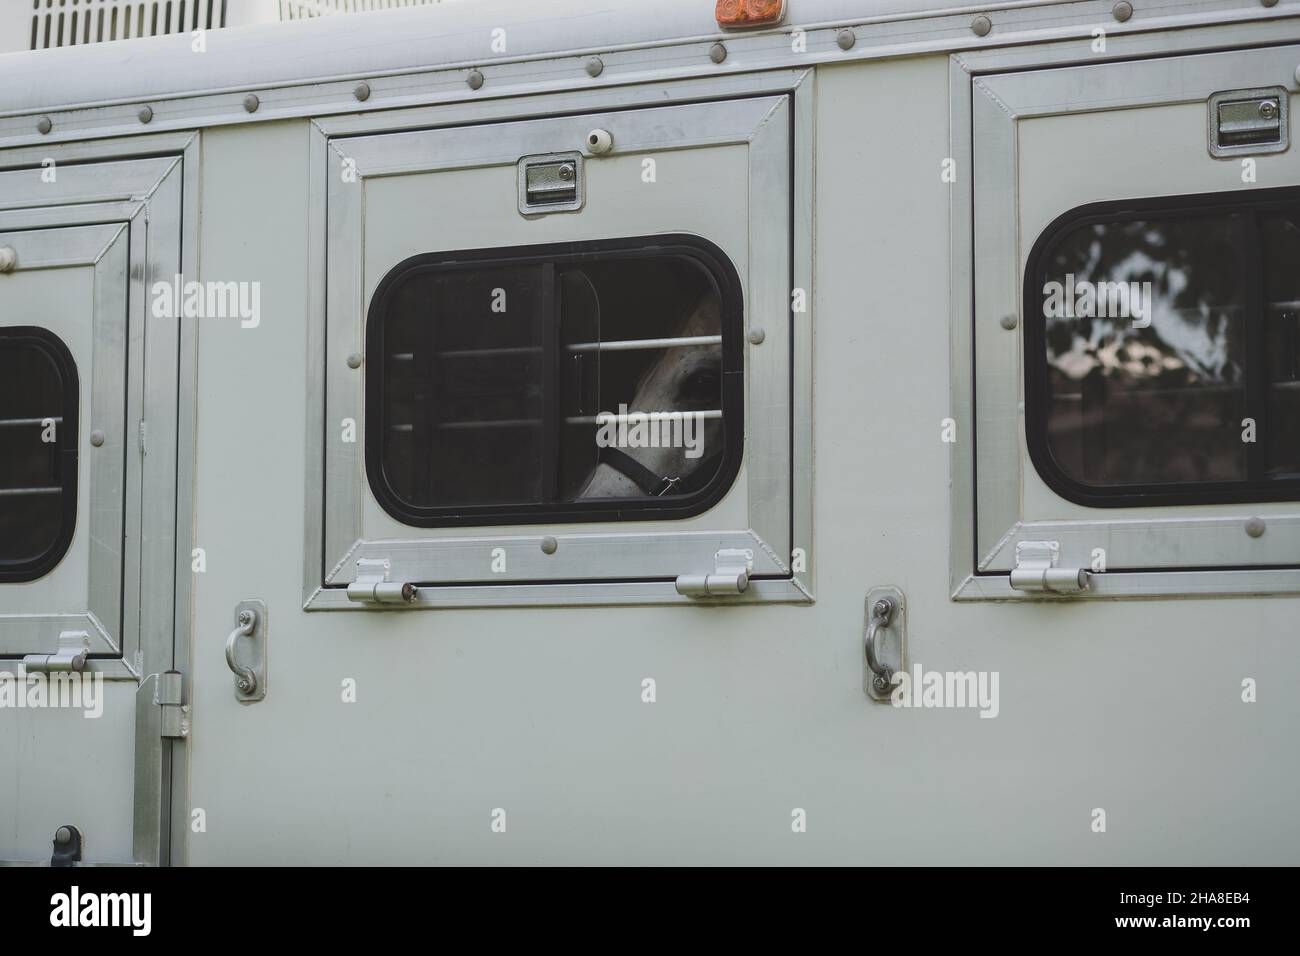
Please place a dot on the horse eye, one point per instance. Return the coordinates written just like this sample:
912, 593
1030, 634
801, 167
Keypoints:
703, 384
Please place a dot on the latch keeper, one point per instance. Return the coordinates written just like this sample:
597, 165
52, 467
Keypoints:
373, 587
731, 570
74, 648
1036, 569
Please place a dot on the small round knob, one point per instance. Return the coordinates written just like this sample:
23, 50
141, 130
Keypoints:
8, 259
97, 438
251, 102
600, 141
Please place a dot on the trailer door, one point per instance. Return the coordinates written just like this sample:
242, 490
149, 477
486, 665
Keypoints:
86, 572
1137, 327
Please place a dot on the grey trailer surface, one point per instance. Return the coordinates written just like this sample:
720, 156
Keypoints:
953, 579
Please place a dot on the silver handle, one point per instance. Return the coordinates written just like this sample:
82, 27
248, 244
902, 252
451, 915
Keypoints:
245, 677
882, 612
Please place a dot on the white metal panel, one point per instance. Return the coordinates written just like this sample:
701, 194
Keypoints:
448, 189
1028, 127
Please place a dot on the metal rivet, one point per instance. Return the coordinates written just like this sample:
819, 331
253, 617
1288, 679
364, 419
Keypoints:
595, 66
475, 79
145, 114
43, 125
549, 545
1122, 10
717, 53
362, 91
981, 26
756, 336
251, 102
97, 438
1255, 527
846, 39
1008, 322
8, 259
354, 360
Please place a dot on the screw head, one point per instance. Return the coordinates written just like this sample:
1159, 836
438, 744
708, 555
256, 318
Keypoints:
880, 684
1122, 11
354, 360
44, 125
756, 336
845, 39
981, 26
145, 114
549, 545
717, 53
1008, 322
1268, 109
97, 438
474, 80
595, 66
566, 172
251, 103
1255, 527
362, 92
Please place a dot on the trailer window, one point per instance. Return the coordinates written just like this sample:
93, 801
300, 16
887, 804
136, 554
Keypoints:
582, 381
1163, 351
38, 452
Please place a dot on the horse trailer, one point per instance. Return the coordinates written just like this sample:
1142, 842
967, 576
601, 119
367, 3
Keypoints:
803, 374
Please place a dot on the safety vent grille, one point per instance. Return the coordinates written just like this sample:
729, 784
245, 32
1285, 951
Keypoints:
74, 22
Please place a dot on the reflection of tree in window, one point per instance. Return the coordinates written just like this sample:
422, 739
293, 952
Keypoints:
1161, 403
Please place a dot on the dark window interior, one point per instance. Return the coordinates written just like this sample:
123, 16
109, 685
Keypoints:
38, 452
584, 381
1155, 335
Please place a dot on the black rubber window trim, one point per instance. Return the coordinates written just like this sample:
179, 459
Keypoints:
731, 309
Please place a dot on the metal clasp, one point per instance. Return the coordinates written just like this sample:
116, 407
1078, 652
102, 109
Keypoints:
731, 570
74, 649
250, 679
1036, 569
884, 643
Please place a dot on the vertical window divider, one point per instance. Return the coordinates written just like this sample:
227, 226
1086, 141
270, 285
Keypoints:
551, 357
1256, 351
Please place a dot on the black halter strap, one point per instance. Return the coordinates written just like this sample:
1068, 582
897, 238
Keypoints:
654, 485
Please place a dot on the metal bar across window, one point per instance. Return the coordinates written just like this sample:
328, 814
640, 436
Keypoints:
631, 345
705, 415
19, 422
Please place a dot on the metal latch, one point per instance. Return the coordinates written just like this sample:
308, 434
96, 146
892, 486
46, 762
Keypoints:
884, 651
1036, 569
731, 570
1248, 121
552, 182
175, 717
250, 631
74, 648
373, 587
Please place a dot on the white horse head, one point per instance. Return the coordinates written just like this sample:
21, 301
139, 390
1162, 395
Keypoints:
685, 379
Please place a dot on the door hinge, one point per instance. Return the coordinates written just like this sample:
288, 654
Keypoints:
1037, 569
74, 648
731, 570
373, 587
175, 718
